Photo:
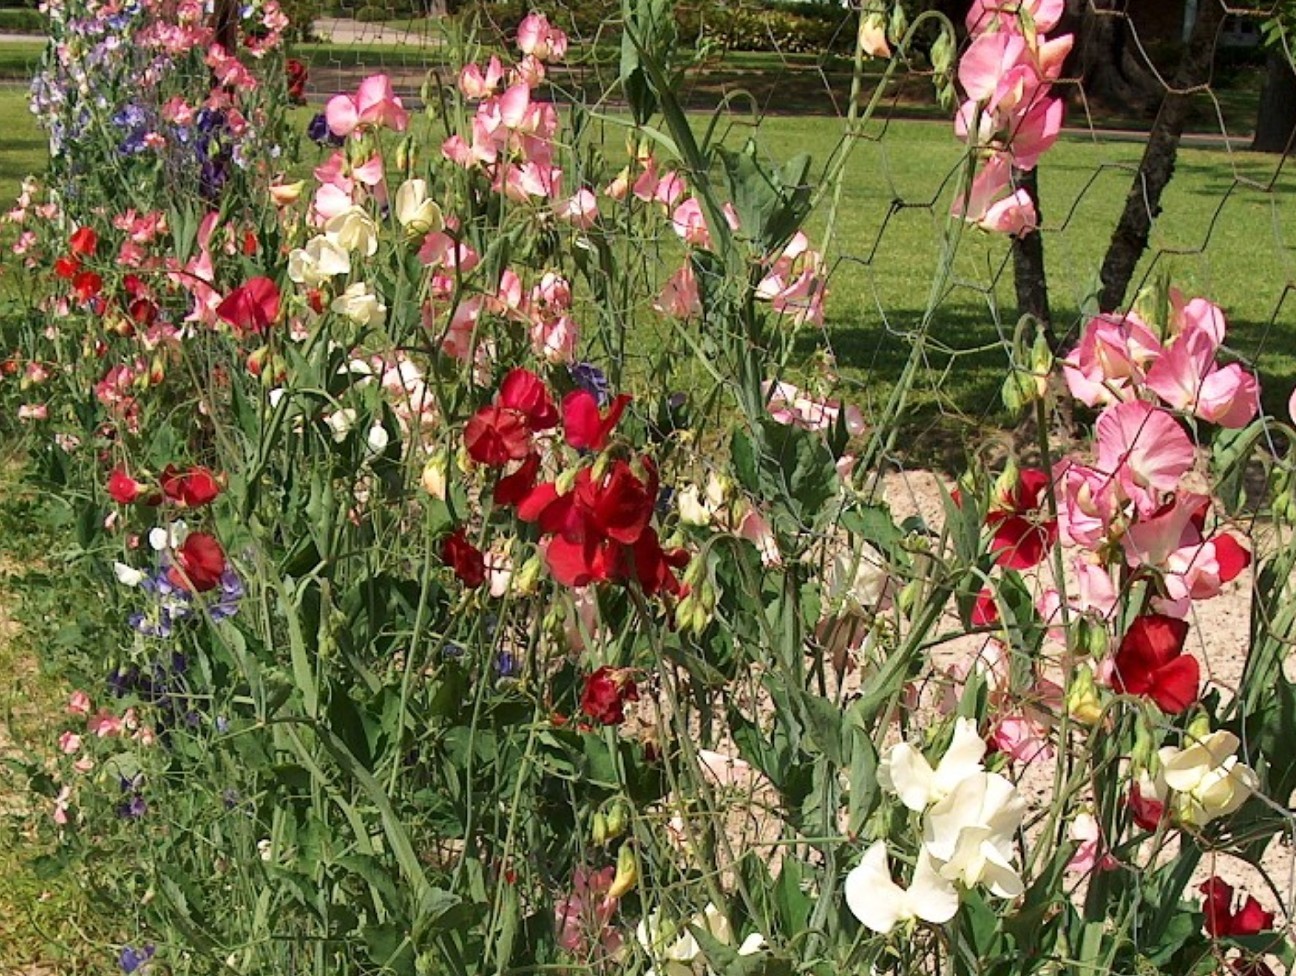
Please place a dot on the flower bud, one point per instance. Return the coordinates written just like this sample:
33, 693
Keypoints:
627, 873
1082, 701
433, 478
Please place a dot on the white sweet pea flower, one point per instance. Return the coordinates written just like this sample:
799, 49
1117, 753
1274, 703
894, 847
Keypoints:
699, 508
879, 903
319, 261
359, 304
1207, 779
970, 833
905, 772
675, 949
127, 575
378, 439
353, 230
856, 583
340, 422
169, 536
415, 212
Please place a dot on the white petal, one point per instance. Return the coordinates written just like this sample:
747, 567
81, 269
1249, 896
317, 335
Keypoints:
751, 945
127, 575
931, 897
871, 895
963, 758
906, 773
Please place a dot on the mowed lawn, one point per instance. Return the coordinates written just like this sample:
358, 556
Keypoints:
1227, 231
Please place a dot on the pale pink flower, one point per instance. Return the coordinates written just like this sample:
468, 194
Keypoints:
1145, 448
104, 724
788, 405
1006, 14
79, 703
69, 743
476, 84
1021, 739
579, 210
679, 297
1112, 359
583, 918
537, 37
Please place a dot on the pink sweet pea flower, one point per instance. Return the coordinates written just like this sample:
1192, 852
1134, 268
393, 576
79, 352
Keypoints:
538, 38
1006, 14
1145, 448
1014, 216
476, 84
580, 210
679, 297
378, 105
1037, 131
1186, 378
788, 405
69, 743
988, 63
79, 703
1111, 360
1021, 740
555, 339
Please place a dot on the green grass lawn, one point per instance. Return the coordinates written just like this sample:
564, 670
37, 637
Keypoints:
1226, 232
19, 59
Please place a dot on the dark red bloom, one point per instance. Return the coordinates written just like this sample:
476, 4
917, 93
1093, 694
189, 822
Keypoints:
122, 488
252, 307
605, 694
1023, 534
583, 426
143, 312
1151, 662
84, 241
1148, 810
67, 267
511, 489
193, 488
1221, 921
526, 393
464, 558
495, 436
985, 611
86, 285
200, 561
297, 75
600, 529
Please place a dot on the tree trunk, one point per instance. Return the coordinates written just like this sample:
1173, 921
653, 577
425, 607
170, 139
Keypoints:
1029, 279
1143, 203
1111, 67
1276, 120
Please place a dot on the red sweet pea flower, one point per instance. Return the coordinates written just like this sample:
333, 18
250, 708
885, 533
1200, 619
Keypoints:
1022, 533
297, 75
67, 267
1221, 921
122, 488
200, 561
86, 285
583, 426
1230, 555
526, 393
192, 489
605, 693
83, 241
464, 558
501, 432
599, 529
1151, 662
495, 436
985, 611
1148, 811
252, 307
513, 488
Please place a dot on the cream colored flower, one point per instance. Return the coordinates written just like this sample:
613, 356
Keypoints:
415, 212
353, 230
879, 903
970, 833
1207, 779
856, 583
359, 304
905, 772
319, 261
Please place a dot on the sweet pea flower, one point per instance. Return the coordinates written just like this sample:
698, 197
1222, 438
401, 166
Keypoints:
972, 830
674, 949
1145, 448
855, 583
905, 772
318, 262
353, 230
374, 104
361, 305
477, 84
538, 38
879, 903
1206, 778
415, 211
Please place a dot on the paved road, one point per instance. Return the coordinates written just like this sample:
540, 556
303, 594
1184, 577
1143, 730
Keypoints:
337, 30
